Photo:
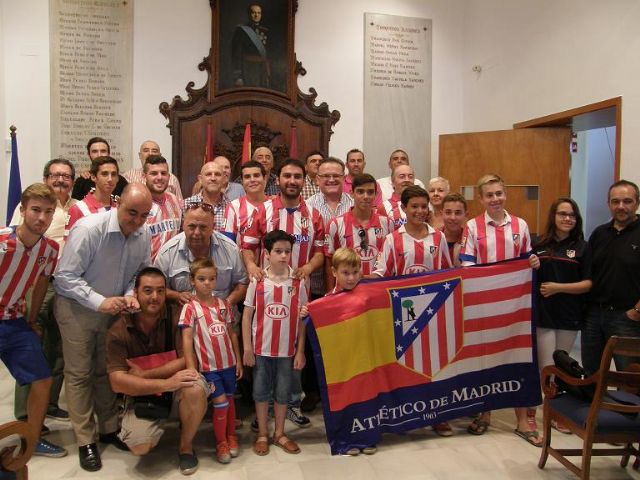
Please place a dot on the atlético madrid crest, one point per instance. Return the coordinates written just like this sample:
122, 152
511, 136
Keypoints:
427, 325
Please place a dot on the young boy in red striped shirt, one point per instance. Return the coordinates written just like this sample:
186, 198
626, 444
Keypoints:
273, 338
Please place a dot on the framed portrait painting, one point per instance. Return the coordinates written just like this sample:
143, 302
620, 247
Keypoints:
253, 45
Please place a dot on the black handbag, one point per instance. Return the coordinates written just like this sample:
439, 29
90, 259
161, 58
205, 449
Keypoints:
158, 406
570, 366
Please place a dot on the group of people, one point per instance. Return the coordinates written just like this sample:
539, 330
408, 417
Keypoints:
115, 272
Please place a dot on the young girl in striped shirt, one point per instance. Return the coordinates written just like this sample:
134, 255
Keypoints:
211, 346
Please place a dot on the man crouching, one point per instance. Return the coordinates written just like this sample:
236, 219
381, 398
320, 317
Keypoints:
145, 333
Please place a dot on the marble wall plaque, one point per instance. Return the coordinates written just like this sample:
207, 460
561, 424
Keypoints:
91, 60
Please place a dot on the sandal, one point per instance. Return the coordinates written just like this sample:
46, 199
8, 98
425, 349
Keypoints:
261, 446
478, 427
286, 444
530, 437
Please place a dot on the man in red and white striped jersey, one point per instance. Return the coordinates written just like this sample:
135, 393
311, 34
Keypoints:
136, 175
289, 212
104, 173
166, 211
27, 259
401, 178
415, 247
361, 228
239, 211
492, 237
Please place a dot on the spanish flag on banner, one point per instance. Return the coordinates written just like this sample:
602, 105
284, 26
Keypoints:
401, 353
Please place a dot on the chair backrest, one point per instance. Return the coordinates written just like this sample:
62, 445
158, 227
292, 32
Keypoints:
628, 380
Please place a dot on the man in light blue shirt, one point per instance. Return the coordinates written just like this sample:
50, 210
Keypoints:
200, 240
94, 283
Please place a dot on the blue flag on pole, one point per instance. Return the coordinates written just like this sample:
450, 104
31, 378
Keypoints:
15, 186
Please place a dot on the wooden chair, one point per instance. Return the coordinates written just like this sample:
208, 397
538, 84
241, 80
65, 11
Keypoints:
613, 416
18, 463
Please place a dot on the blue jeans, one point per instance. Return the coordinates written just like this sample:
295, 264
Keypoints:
601, 324
272, 379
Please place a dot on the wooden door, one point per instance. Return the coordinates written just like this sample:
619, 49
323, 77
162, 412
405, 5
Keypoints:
533, 162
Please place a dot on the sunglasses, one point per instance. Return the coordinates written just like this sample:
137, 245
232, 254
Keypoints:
363, 239
191, 205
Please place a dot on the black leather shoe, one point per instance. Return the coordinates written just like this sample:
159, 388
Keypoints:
113, 439
90, 457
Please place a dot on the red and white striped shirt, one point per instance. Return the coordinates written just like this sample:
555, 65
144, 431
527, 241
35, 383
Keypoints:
276, 315
485, 242
163, 221
304, 223
211, 340
344, 231
87, 206
402, 254
392, 208
238, 217
21, 267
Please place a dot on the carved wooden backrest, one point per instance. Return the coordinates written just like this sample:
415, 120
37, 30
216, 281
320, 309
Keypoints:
271, 115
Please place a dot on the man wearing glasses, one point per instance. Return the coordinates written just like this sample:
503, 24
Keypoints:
199, 239
59, 174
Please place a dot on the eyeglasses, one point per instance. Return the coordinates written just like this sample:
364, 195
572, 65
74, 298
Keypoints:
192, 205
567, 215
363, 239
330, 176
64, 176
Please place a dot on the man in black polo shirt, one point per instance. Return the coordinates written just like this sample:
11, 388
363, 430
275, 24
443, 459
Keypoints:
144, 333
96, 147
615, 297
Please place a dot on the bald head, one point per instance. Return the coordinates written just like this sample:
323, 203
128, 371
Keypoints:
148, 147
135, 205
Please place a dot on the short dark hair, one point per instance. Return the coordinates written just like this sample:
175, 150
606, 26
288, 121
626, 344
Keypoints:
58, 161
312, 153
354, 150
363, 179
624, 183
295, 162
149, 272
153, 160
413, 191
455, 197
98, 162
335, 160
253, 164
93, 140
276, 236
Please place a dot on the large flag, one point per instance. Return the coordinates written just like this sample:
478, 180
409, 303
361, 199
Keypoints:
401, 353
246, 145
15, 186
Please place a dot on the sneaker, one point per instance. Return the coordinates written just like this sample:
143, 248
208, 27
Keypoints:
48, 449
370, 450
57, 413
223, 455
443, 429
352, 452
232, 441
297, 418
188, 463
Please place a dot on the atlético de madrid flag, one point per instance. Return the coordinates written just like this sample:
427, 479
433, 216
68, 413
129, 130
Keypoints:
401, 353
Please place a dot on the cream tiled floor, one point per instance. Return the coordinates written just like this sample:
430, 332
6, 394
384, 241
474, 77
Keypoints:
418, 455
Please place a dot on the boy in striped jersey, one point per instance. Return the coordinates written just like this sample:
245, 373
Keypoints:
361, 228
492, 237
239, 211
104, 174
415, 247
27, 259
274, 338
164, 219
211, 347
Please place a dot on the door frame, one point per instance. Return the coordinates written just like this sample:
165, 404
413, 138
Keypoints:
565, 119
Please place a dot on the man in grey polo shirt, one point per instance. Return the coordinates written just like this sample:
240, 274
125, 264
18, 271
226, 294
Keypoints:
94, 283
199, 239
